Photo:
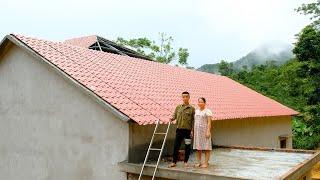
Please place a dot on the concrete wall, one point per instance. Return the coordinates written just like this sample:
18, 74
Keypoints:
259, 132
49, 129
306, 176
139, 139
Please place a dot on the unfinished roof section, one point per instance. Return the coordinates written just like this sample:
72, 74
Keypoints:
102, 44
148, 91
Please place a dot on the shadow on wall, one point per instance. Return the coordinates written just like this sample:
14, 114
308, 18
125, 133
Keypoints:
139, 140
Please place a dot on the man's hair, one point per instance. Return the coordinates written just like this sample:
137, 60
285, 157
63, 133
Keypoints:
186, 92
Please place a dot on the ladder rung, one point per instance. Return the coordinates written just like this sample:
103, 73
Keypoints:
160, 133
155, 149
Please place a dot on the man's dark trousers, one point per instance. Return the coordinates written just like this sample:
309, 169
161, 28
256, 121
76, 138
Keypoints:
181, 134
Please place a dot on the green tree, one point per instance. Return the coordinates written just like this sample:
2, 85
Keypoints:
162, 52
245, 67
307, 48
312, 9
296, 84
307, 51
225, 68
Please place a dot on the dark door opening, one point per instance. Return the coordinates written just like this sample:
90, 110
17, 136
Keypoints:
283, 142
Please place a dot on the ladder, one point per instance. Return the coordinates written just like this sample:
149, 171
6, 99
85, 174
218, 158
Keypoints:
150, 148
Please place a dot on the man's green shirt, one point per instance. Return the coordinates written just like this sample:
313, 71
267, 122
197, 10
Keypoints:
184, 114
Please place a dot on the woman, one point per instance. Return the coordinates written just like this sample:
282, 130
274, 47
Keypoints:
202, 132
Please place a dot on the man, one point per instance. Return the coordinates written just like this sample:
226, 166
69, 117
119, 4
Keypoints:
184, 116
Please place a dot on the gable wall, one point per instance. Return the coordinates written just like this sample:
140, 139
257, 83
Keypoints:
50, 129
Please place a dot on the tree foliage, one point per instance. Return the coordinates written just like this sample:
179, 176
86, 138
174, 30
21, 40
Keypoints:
312, 9
225, 68
307, 47
162, 52
295, 84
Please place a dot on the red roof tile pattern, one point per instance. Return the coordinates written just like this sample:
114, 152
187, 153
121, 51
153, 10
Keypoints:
85, 42
148, 91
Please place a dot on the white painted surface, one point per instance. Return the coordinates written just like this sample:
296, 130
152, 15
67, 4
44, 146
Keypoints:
50, 129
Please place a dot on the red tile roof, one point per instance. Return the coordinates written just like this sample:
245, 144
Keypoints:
147, 91
85, 42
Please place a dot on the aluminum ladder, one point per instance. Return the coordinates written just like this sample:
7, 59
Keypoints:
150, 148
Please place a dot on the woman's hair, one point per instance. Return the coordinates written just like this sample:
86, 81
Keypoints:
203, 99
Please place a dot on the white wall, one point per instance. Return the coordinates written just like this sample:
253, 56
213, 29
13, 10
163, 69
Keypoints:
49, 129
258, 132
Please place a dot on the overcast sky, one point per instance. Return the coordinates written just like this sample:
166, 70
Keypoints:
212, 30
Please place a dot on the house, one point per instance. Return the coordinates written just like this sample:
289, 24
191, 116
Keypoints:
75, 109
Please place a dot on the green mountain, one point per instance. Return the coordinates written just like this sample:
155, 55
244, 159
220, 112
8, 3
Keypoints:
210, 68
273, 53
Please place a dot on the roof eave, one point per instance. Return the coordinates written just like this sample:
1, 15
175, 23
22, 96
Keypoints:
94, 96
294, 112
